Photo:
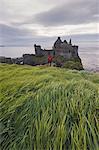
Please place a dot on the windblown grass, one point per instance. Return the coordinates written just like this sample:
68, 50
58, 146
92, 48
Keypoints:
47, 108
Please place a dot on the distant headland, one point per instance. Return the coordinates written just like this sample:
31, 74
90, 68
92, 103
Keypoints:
64, 54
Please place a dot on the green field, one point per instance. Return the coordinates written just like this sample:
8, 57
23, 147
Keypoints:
48, 108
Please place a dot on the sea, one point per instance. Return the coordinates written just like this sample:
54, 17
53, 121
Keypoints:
88, 52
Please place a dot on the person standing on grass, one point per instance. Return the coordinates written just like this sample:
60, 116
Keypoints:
50, 59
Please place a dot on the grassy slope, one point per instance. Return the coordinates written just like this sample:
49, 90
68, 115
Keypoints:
48, 108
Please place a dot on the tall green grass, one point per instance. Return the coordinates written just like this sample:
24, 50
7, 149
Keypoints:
47, 108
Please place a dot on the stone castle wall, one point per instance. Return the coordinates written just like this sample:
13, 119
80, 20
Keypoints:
65, 49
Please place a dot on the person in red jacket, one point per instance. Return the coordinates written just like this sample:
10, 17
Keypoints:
50, 59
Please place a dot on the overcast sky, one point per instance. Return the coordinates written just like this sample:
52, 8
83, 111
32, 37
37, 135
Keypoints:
35, 21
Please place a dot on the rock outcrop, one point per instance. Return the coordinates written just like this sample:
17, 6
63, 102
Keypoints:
9, 60
6, 60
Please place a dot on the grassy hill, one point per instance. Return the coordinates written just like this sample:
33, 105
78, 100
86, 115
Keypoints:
48, 108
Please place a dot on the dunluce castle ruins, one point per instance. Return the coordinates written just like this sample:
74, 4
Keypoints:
67, 50
62, 52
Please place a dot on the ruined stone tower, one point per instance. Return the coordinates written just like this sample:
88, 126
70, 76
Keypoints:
65, 49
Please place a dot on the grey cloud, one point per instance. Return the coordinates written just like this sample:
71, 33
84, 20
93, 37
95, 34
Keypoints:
14, 36
73, 12
10, 31
9, 34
